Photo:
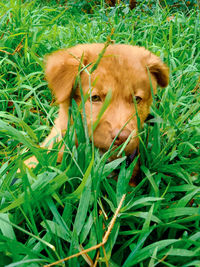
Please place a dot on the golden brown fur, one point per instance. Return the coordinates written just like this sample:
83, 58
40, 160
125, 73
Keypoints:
123, 70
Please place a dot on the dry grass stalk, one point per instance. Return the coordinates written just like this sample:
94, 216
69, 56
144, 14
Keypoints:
105, 238
17, 49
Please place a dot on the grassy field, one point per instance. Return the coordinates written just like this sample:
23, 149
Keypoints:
57, 210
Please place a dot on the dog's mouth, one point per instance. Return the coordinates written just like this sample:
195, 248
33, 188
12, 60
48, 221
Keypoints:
131, 157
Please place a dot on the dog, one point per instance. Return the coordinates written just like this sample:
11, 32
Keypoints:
129, 72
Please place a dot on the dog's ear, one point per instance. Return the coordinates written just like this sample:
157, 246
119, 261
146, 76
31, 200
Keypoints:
158, 69
61, 69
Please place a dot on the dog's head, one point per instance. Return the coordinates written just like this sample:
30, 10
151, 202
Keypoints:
127, 71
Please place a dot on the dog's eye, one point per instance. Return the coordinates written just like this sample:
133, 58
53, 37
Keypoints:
138, 99
96, 98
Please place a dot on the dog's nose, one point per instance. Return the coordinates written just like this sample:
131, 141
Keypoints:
121, 137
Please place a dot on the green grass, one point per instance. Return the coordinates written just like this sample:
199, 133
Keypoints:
48, 213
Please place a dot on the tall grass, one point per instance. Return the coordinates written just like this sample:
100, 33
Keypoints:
57, 210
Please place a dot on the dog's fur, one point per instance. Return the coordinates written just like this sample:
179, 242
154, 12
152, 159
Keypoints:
128, 71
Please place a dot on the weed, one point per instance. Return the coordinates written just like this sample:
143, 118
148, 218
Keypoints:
57, 210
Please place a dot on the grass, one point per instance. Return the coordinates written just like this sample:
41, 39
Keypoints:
55, 211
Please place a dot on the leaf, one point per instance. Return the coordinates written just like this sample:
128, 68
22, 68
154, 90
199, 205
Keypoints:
103, 109
58, 218
56, 229
176, 212
82, 208
41, 183
183, 252
144, 201
111, 166
22, 138
78, 123
147, 252
21, 123
153, 258
26, 232
195, 121
78, 191
184, 201
148, 220
86, 228
124, 178
140, 214
192, 264
182, 188
6, 228
134, 252
26, 263
151, 180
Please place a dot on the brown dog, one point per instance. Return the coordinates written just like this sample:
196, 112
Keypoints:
128, 71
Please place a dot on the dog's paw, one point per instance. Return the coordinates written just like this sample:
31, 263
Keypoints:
31, 162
